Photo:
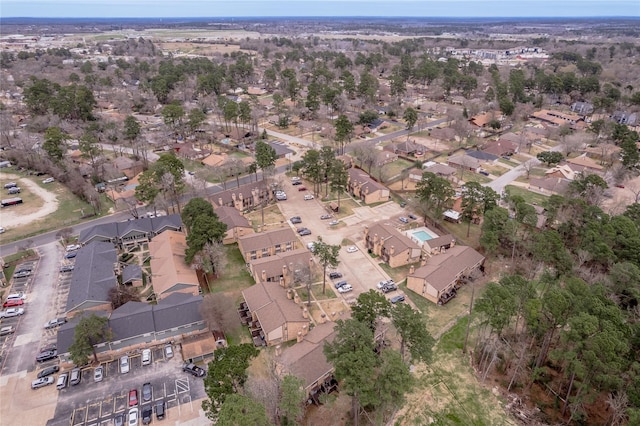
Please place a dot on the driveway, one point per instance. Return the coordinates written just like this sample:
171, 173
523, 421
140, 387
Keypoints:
359, 269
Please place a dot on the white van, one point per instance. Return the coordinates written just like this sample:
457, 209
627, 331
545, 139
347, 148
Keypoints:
146, 356
62, 381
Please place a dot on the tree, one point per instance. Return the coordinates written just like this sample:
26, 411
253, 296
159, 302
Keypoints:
344, 131
91, 330
369, 307
291, 403
193, 209
205, 229
88, 146
121, 294
227, 374
413, 333
265, 156
589, 187
338, 178
550, 157
241, 410
54, 143
195, 119
132, 129
352, 354
172, 115
411, 117
434, 192
476, 200
219, 311
328, 257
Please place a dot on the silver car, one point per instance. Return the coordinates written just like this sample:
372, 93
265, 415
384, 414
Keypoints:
98, 374
39, 383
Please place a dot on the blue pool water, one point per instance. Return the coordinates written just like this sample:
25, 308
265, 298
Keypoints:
422, 236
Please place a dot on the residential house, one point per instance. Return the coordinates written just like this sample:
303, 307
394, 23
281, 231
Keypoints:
558, 118
407, 148
307, 361
481, 155
582, 108
483, 119
584, 164
237, 224
282, 268
439, 278
215, 159
138, 324
169, 271
464, 162
127, 166
385, 157
243, 198
131, 232
439, 169
92, 279
624, 117
268, 243
561, 171
281, 148
439, 245
393, 247
132, 275
362, 186
500, 148
275, 317
189, 151
553, 185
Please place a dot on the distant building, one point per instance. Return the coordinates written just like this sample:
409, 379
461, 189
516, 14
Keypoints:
362, 186
393, 247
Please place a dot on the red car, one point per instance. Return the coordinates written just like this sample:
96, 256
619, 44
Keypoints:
302, 188
133, 397
13, 302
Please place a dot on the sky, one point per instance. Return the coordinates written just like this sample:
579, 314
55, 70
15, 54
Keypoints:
270, 8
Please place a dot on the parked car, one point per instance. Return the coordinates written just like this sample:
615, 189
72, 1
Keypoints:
55, 323
118, 420
333, 223
67, 268
2, 230
311, 246
133, 417
334, 275
168, 351
340, 284
381, 284
484, 173
146, 356
295, 220
412, 216
308, 197
326, 216
71, 255
22, 274
124, 364
147, 392
48, 180
73, 247
46, 355
160, 409
14, 190
403, 219
193, 370
11, 312
352, 249
48, 371
302, 188
345, 288
304, 231
10, 185
389, 287
98, 374
12, 302
147, 413
133, 397
397, 299
75, 377
20, 295
62, 381
296, 182
9, 329
38, 383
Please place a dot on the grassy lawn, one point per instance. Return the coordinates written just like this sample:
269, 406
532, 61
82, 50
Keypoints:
12, 260
346, 207
530, 197
395, 167
460, 231
316, 292
400, 273
508, 162
273, 218
236, 276
496, 170
475, 177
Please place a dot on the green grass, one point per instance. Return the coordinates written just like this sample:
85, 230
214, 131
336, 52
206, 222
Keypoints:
395, 167
453, 340
235, 277
346, 207
508, 162
475, 177
420, 302
399, 273
496, 170
529, 197
316, 292
459, 230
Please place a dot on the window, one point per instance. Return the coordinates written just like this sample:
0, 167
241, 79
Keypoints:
278, 248
265, 252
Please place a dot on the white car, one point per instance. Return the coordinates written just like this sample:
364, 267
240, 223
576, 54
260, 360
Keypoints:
42, 382
11, 312
345, 288
124, 364
381, 284
308, 197
48, 180
133, 417
2, 230
73, 247
333, 223
98, 374
352, 249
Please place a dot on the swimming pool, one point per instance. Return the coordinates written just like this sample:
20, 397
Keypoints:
422, 235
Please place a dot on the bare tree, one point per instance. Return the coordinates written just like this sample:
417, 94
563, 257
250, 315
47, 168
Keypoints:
265, 388
65, 235
121, 294
219, 311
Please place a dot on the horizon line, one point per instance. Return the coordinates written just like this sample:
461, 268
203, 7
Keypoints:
327, 16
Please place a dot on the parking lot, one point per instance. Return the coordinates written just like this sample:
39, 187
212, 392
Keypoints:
91, 403
18, 285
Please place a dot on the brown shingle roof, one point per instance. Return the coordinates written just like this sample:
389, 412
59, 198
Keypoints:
273, 265
232, 217
249, 243
441, 270
392, 237
270, 304
170, 271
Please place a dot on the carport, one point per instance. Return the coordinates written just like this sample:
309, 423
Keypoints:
197, 348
